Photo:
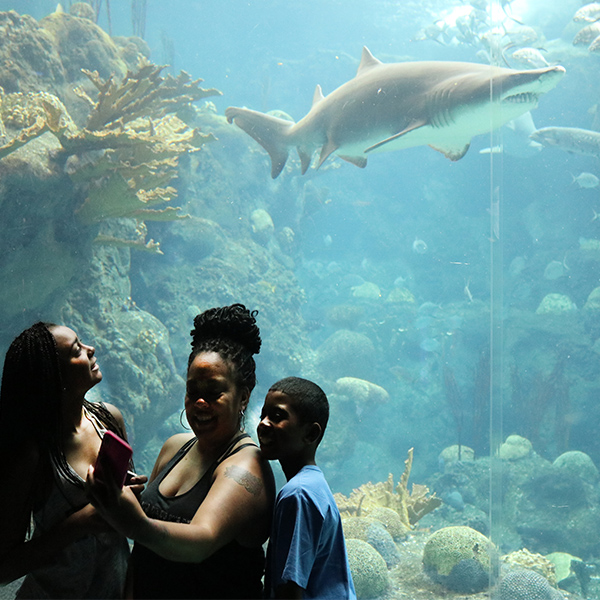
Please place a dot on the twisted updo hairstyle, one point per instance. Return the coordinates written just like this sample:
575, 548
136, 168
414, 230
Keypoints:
231, 332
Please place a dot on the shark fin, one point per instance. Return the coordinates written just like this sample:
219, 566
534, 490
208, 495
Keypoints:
367, 62
328, 148
359, 161
452, 152
305, 158
318, 95
408, 129
270, 132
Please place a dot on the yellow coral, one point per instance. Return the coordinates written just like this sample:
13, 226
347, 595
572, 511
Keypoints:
410, 506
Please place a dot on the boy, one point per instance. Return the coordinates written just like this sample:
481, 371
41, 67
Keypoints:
306, 556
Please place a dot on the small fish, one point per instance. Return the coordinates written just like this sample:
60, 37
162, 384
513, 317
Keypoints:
530, 58
587, 35
419, 246
588, 13
570, 139
467, 291
586, 180
594, 47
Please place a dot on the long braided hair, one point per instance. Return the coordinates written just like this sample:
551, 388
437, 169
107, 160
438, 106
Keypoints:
31, 407
230, 331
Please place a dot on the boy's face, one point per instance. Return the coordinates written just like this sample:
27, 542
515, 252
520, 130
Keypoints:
280, 433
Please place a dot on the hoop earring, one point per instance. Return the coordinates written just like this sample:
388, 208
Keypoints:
181, 419
242, 422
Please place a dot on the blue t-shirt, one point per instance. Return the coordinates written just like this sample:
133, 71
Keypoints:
307, 542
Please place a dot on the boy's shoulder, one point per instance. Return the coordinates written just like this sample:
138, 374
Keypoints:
308, 482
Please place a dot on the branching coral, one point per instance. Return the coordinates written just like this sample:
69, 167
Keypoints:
411, 506
127, 153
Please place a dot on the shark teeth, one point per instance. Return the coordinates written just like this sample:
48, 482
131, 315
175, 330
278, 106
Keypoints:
525, 97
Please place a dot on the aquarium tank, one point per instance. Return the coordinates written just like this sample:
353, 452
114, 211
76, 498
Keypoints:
407, 193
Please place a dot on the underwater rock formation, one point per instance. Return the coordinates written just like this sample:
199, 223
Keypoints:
361, 391
346, 353
515, 447
578, 463
461, 559
369, 571
534, 562
374, 533
555, 304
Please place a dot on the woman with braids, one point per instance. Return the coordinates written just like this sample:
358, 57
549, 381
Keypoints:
49, 436
207, 509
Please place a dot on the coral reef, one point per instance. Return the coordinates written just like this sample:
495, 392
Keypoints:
361, 391
409, 506
461, 559
555, 304
515, 447
346, 353
391, 521
450, 454
578, 463
534, 562
373, 532
369, 571
523, 584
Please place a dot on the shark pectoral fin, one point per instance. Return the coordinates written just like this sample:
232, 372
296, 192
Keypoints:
408, 129
452, 152
305, 158
328, 148
359, 161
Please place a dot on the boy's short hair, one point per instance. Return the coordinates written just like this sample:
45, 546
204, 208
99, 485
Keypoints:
310, 401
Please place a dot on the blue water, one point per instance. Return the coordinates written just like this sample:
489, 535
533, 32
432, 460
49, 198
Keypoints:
268, 55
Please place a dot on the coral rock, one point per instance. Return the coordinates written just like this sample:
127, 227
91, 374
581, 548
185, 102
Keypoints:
515, 447
361, 391
578, 463
522, 584
369, 571
460, 558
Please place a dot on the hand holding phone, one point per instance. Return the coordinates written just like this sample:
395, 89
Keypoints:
113, 459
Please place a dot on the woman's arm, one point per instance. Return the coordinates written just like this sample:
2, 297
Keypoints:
237, 507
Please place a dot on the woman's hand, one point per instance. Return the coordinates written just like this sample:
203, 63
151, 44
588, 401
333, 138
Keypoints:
136, 482
119, 507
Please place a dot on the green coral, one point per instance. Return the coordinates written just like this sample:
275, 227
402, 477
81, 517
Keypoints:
369, 571
555, 304
460, 558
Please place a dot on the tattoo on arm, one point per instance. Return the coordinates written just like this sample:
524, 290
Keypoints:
249, 482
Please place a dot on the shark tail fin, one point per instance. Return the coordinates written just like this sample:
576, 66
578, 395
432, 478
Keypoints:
270, 132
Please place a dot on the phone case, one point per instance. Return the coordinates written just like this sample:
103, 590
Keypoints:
113, 459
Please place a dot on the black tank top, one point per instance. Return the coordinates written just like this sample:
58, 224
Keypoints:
234, 571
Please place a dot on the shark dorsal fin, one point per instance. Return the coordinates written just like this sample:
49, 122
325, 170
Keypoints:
367, 62
318, 95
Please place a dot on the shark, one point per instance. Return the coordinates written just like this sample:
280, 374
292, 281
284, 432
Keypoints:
391, 106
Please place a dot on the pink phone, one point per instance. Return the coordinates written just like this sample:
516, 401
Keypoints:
113, 459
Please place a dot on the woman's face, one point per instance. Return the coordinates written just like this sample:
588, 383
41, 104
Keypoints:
79, 369
213, 400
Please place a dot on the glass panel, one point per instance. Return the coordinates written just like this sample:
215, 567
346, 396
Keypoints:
444, 295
